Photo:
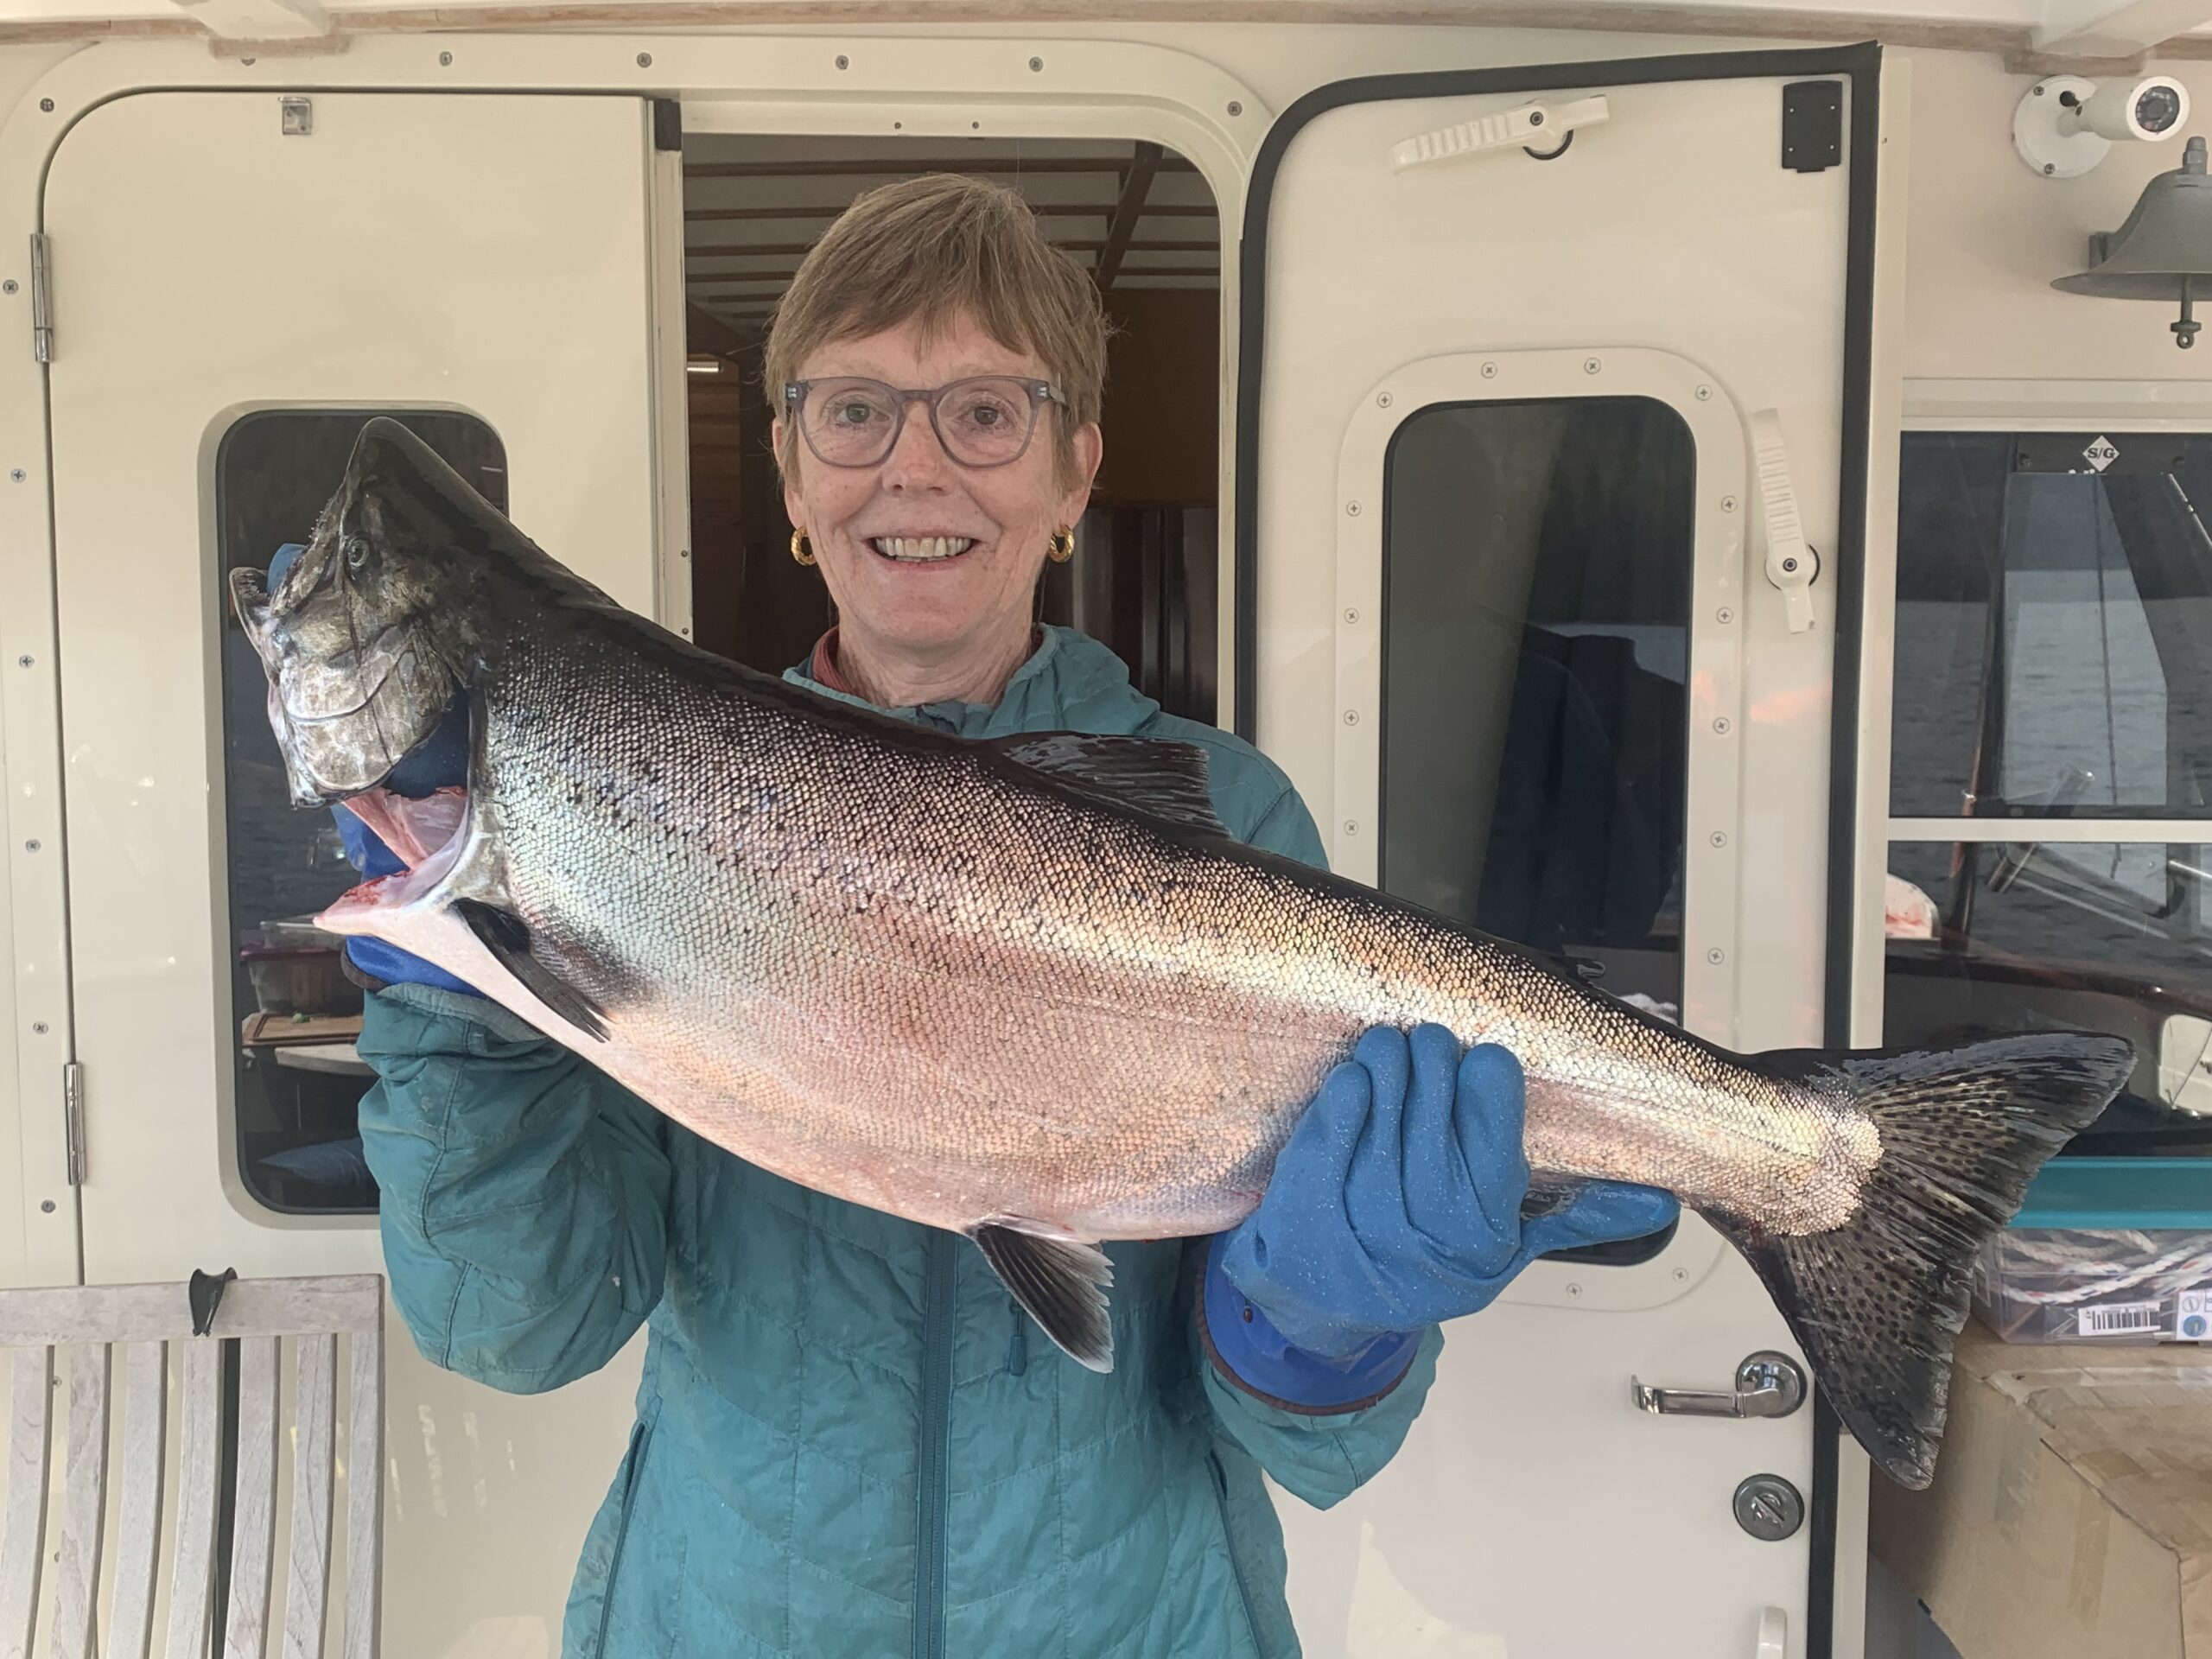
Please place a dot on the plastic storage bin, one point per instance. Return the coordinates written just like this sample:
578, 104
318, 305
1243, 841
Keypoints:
2104, 1250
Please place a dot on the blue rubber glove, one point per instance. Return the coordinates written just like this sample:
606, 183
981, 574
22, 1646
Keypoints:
441, 760
1395, 1205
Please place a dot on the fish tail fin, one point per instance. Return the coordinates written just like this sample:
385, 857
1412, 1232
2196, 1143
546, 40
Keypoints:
1876, 1302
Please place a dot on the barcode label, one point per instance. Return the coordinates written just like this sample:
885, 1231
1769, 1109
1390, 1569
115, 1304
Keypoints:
2118, 1319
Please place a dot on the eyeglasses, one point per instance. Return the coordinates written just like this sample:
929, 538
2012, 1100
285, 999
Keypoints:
984, 421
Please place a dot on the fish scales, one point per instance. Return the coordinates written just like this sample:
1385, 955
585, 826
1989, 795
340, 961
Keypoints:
1029, 991
994, 1001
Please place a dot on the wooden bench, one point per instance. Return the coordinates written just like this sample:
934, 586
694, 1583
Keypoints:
143, 1321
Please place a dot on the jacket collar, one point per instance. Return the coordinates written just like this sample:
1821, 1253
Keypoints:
1069, 680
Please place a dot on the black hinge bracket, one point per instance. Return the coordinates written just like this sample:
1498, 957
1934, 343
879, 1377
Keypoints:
1812, 126
668, 123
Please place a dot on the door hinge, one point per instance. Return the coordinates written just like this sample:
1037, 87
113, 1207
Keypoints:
41, 299
72, 1110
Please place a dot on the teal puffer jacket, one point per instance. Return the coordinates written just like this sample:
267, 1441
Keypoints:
850, 1441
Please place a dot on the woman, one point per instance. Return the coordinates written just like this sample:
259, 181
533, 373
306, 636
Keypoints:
849, 1440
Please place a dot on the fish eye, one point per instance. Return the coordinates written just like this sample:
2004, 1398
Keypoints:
357, 552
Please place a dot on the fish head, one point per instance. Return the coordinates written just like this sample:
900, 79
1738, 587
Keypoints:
369, 634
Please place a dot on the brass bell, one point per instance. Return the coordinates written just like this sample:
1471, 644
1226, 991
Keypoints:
2165, 250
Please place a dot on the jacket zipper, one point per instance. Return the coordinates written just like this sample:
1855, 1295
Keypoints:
1229, 1543
640, 1437
937, 1429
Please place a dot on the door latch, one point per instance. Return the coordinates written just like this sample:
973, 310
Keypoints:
1769, 1508
1791, 563
1527, 126
1767, 1385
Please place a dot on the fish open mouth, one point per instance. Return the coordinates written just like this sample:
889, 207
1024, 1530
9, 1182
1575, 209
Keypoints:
919, 549
416, 830
427, 836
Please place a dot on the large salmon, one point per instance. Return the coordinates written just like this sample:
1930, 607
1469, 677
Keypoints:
1030, 990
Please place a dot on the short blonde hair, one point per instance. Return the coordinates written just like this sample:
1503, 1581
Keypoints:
929, 249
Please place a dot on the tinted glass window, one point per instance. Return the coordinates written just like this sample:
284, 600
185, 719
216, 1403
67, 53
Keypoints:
294, 1014
2026, 935
2054, 635
1536, 578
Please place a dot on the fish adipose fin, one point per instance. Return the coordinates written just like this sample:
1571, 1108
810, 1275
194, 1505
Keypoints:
1061, 1281
1157, 775
507, 935
1876, 1302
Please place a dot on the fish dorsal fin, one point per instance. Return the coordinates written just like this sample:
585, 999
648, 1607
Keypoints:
1061, 1281
1156, 775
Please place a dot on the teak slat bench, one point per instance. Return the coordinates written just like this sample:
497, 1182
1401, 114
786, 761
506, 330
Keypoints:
143, 1321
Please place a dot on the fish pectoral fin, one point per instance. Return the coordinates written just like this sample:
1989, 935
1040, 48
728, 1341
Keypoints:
507, 937
1060, 1281
1156, 775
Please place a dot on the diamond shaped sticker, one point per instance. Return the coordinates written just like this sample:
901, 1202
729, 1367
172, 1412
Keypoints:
2100, 455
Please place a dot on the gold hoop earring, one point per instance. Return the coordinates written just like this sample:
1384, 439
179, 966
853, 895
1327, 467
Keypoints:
800, 550
1063, 546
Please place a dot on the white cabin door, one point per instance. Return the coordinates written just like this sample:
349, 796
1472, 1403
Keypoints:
1539, 367
238, 282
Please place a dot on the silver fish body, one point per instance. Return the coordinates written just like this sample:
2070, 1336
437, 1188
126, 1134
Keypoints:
1029, 991
916, 974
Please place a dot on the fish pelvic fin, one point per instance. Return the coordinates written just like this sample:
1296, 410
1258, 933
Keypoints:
1060, 1281
507, 937
1877, 1302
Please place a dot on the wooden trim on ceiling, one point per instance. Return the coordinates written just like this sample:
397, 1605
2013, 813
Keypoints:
1579, 14
93, 31
1691, 21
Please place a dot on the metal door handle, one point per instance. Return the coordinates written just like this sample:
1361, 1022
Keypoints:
1767, 1385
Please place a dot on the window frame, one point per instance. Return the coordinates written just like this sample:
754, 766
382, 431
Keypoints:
1713, 788
1719, 447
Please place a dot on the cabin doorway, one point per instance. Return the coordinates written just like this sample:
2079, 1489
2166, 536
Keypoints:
1138, 218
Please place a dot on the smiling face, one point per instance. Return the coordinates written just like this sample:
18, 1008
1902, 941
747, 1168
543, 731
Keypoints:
933, 564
